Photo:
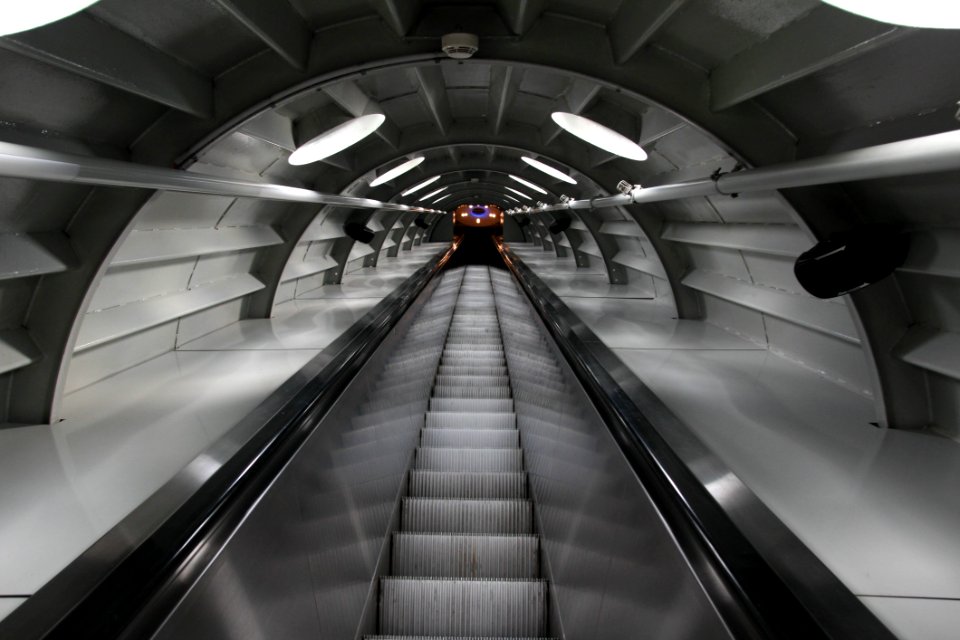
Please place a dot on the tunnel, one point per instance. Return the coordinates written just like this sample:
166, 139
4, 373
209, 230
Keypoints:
487, 319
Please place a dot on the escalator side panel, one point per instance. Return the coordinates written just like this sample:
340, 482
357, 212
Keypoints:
303, 563
614, 568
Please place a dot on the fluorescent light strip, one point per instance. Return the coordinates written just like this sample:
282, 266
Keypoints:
441, 198
547, 169
397, 171
337, 139
527, 183
519, 193
23, 16
433, 193
510, 198
599, 135
416, 188
931, 14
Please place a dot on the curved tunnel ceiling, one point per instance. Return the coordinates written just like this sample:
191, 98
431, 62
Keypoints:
236, 105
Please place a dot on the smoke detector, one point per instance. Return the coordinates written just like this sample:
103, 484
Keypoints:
460, 46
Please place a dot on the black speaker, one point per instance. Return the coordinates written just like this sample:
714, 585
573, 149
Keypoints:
851, 260
359, 232
560, 224
521, 220
421, 221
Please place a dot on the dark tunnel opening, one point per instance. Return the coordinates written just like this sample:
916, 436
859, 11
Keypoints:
477, 247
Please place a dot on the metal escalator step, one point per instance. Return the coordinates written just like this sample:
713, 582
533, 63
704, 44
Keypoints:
460, 380
470, 438
475, 485
486, 334
470, 420
483, 460
446, 638
472, 370
484, 405
471, 345
441, 555
479, 391
482, 358
442, 515
457, 607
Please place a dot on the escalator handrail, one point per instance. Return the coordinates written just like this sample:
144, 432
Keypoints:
781, 592
126, 584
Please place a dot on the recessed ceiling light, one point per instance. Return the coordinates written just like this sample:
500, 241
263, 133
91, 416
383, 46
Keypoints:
441, 198
527, 183
22, 16
337, 139
932, 14
433, 193
519, 193
547, 169
397, 171
511, 198
417, 187
599, 135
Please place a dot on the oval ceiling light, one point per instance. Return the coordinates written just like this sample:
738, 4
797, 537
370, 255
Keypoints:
931, 14
599, 135
397, 171
547, 169
337, 139
433, 193
23, 16
519, 193
527, 183
417, 187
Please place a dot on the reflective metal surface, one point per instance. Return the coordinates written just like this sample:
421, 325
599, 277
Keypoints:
18, 161
158, 550
303, 562
929, 154
614, 567
761, 577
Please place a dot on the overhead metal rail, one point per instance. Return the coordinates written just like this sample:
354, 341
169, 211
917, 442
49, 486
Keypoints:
20, 161
928, 154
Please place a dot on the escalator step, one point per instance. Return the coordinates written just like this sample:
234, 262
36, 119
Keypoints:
455, 607
470, 438
472, 370
440, 515
449, 484
473, 346
470, 420
446, 638
465, 556
467, 380
484, 391
486, 405
483, 460
467, 353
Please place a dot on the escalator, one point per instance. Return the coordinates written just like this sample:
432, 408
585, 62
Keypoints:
461, 466
466, 561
